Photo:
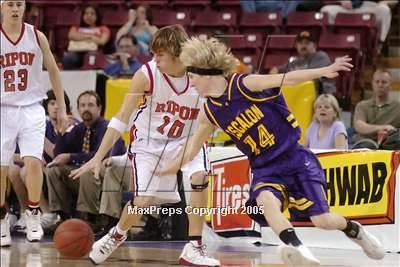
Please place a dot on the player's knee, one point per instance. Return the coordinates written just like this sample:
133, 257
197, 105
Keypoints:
143, 202
266, 197
323, 221
199, 181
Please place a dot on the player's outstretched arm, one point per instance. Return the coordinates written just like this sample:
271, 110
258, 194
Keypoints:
139, 86
55, 80
190, 149
261, 82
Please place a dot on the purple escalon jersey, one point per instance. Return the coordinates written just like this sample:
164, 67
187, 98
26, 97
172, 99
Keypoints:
259, 123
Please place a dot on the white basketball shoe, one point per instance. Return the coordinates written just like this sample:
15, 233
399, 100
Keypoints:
5, 240
104, 247
369, 243
193, 255
297, 256
34, 231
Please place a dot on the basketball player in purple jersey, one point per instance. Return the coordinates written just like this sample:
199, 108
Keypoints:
252, 111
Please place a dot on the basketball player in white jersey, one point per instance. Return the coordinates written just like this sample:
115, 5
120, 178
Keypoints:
24, 50
162, 123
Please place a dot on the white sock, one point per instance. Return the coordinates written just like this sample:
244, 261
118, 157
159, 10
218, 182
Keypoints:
196, 243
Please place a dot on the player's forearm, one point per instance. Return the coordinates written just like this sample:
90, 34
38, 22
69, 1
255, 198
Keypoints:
109, 139
55, 79
300, 76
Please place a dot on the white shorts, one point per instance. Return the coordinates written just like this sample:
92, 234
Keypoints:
25, 126
151, 154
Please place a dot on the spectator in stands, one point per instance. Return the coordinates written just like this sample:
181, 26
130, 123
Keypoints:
74, 148
88, 36
381, 10
284, 7
308, 58
117, 179
380, 114
326, 130
139, 25
33, 15
126, 63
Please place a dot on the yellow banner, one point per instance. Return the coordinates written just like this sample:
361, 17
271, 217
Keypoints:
361, 184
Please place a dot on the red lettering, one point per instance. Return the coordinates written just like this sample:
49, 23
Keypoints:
23, 58
172, 107
31, 56
184, 113
14, 58
194, 113
2, 61
160, 107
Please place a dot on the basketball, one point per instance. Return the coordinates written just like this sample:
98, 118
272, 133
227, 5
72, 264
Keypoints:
73, 238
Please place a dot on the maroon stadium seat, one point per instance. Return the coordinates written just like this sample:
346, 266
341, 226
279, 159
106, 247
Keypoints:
94, 60
210, 21
166, 17
313, 22
228, 5
263, 23
365, 24
279, 48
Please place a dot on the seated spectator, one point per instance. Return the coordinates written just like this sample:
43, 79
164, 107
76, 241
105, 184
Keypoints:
381, 10
74, 148
139, 25
88, 36
380, 114
284, 7
308, 58
126, 63
117, 179
326, 130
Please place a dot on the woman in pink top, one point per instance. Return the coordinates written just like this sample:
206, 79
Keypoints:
90, 30
326, 130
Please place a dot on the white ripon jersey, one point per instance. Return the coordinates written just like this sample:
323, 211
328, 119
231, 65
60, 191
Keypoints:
171, 108
21, 68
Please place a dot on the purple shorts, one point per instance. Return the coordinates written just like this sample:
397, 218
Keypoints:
297, 180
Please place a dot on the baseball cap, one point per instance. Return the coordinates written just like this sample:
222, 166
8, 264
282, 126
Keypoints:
305, 35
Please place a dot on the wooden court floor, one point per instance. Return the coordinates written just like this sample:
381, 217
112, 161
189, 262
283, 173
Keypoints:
157, 254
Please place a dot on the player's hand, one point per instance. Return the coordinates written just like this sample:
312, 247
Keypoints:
63, 122
60, 160
93, 165
341, 64
107, 162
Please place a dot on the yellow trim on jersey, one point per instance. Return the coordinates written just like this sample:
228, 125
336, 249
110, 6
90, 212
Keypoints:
256, 99
230, 86
295, 124
215, 102
207, 109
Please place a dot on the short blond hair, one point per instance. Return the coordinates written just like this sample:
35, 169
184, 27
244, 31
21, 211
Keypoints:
208, 53
332, 100
169, 39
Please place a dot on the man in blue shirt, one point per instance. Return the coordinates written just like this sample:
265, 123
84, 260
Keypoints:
125, 63
77, 146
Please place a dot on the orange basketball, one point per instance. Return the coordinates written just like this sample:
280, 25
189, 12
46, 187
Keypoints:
73, 238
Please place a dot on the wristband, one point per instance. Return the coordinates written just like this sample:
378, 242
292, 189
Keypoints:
118, 125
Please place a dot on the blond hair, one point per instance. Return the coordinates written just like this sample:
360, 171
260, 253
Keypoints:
208, 53
169, 39
332, 100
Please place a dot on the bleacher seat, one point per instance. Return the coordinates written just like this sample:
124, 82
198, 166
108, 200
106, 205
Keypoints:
114, 19
313, 22
365, 25
262, 23
166, 17
338, 45
244, 43
228, 5
211, 21
58, 30
190, 6
94, 61
278, 50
